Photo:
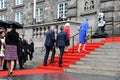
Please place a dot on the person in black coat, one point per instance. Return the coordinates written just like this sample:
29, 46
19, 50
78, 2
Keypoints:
61, 42
12, 39
31, 49
49, 43
24, 48
20, 53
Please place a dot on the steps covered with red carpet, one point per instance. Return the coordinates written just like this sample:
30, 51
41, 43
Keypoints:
70, 58
112, 39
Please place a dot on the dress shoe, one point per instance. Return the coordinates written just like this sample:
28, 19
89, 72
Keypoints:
45, 64
22, 68
59, 66
51, 62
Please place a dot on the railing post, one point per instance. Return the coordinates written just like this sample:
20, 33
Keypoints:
90, 34
113, 29
73, 44
119, 31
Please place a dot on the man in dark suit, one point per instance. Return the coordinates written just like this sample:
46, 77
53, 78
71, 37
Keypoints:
31, 49
49, 44
20, 54
61, 42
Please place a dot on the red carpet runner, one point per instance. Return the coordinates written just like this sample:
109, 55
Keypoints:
68, 59
27, 72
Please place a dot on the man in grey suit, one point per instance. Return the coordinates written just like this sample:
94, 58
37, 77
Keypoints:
49, 44
61, 42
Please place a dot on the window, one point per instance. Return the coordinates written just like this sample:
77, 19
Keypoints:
18, 2
39, 14
2, 4
18, 17
62, 10
2, 17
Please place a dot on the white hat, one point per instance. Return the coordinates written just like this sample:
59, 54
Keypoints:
67, 24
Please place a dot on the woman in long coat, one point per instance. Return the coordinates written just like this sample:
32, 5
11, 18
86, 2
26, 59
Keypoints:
12, 39
82, 34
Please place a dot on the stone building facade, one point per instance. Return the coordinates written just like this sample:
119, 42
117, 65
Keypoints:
48, 11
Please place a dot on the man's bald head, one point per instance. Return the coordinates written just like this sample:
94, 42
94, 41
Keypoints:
52, 28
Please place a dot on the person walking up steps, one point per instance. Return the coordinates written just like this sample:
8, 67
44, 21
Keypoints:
82, 34
49, 44
61, 43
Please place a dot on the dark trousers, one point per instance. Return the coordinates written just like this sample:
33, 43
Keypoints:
61, 55
30, 55
25, 56
53, 55
21, 62
48, 49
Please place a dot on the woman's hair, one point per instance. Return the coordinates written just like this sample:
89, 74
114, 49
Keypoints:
67, 24
1, 32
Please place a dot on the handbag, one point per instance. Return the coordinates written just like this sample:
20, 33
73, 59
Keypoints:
88, 37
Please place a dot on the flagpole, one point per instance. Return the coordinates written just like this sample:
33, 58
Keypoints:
34, 12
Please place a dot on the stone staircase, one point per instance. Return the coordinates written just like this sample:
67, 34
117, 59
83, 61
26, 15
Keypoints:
103, 61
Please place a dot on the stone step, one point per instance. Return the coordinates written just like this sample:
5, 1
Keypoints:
111, 44
96, 67
105, 53
96, 72
103, 56
100, 60
98, 63
107, 50
109, 47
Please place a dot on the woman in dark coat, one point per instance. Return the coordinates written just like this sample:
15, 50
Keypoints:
12, 39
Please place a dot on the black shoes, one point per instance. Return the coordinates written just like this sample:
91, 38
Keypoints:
10, 73
22, 68
59, 65
44, 64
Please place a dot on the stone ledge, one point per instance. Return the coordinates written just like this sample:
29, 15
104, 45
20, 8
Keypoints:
108, 9
3, 9
102, 1
51, 23
88, 13
18, 6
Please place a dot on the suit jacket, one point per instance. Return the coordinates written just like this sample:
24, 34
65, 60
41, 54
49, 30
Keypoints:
61, 39
19, 48
31, 47
50, 38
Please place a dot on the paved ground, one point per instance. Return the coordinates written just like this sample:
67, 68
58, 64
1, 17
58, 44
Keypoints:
61, 76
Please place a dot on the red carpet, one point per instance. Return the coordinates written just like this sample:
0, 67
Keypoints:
27, 72
115, 39
68, 59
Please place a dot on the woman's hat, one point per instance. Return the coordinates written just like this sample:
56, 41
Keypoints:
86, 18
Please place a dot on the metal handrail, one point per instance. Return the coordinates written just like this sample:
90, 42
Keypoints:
73, 37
